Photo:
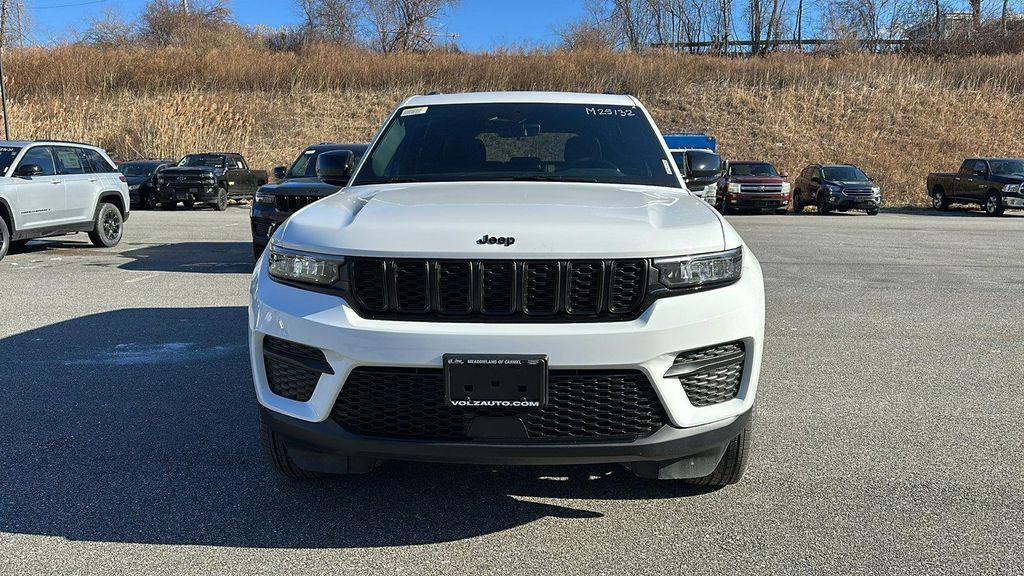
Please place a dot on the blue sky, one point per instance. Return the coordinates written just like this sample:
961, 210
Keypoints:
480, 24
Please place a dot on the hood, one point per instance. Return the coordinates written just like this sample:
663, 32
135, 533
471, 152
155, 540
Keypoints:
300, 186
757, 179
561, 220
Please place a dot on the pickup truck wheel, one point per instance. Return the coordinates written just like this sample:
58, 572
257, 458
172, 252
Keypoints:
109, 226
781, 211
872, 212
797, 205
994, 204
733, 464
823, 208
939, 200
188, 204
5, 238
169, 206
222, 200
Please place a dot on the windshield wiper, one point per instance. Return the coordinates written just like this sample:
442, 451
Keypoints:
395, 180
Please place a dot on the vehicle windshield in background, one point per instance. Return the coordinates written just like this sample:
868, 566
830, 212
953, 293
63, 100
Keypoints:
1007, 167
305, 165
519, 141
7, 156
752, 169
133, 169
844, 174
196, 160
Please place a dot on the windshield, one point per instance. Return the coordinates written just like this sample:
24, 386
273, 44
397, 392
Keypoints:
844, 174
305, 165
136, 169
508, 141
1007, 167
7, 155
752, 169
211, 160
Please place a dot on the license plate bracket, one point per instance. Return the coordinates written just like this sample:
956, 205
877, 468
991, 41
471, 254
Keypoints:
496, 380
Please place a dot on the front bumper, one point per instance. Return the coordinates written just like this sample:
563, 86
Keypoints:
191, 194
854, 203
321, 445
649, 344
1013, 201
263, 220
745, 202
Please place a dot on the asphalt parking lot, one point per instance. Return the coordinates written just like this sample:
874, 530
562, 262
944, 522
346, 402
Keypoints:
889, 434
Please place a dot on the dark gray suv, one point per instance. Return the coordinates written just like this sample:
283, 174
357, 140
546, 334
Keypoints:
839, 187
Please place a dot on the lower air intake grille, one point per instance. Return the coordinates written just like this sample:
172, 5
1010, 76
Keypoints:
293, 370
582, 405
710, 375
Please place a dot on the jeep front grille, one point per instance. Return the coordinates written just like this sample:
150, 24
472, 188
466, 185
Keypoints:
524, 290
293, 202
598, 405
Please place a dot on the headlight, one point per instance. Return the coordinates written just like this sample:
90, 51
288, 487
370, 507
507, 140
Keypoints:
876, 190
304, 267
1011, 188
785, 187
262, 198
700, 269
734, 187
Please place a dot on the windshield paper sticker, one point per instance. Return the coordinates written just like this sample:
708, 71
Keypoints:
668, 167
414, 111
624, 112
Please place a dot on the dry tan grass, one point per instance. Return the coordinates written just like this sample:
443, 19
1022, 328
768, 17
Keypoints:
897, 117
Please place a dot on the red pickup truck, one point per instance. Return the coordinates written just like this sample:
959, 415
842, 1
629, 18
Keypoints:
753, 186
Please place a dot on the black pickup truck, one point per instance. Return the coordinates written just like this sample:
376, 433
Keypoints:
210, 178
994, 183
294, 188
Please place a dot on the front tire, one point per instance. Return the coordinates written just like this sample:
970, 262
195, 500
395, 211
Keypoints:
148, 202
872, 212
222, 200
734, 462
277, 452
781, 211
994, 204
109, 226
5, 238
823, 208
798, 206
188, 204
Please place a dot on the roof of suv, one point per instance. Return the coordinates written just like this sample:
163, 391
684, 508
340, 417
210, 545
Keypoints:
522, 97
23, 143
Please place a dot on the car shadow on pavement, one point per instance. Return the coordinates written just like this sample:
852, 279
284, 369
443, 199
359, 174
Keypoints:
139, 425
200, 257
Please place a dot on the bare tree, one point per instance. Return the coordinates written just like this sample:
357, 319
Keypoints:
975, 15
330, 20
871, 23
403, 25
109, 29
167, 22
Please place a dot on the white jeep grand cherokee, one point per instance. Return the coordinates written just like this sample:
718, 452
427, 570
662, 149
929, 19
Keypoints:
53, 188
509, 278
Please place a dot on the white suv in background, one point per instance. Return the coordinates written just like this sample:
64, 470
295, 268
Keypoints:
509, 278
49, 188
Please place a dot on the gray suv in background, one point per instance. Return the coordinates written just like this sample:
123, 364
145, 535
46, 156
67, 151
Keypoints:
839, 187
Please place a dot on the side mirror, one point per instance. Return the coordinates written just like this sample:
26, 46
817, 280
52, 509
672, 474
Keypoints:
701, 164
784, 174
335, 167
28, 170
280, 172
